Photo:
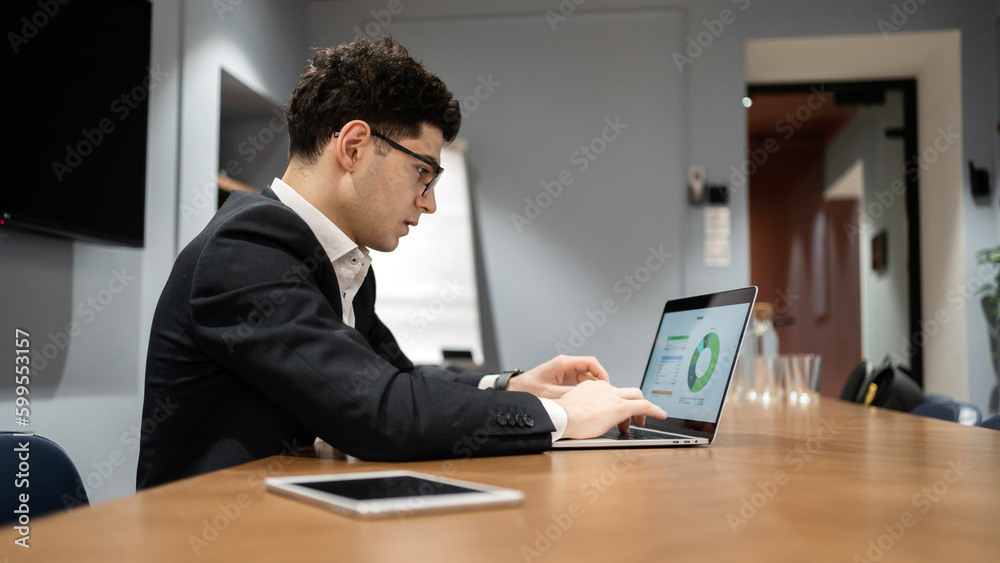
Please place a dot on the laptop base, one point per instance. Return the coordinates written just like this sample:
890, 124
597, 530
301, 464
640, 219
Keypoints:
636, 438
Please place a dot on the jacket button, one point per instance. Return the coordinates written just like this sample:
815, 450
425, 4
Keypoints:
528, 421
519, 419
502, 419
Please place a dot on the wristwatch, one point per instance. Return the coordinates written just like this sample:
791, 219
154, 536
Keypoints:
501, 383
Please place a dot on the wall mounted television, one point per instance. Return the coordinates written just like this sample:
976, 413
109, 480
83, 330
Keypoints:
77, 80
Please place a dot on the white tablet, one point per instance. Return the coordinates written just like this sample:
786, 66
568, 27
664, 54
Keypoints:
381, 494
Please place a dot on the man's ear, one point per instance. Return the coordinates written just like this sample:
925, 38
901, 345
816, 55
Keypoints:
352, 145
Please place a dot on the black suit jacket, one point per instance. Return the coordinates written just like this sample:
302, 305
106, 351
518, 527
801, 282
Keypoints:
249, 357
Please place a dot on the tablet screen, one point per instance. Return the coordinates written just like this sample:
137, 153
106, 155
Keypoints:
399, 486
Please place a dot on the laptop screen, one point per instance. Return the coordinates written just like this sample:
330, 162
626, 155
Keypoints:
692, 358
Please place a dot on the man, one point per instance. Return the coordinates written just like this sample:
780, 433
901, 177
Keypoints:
266, 335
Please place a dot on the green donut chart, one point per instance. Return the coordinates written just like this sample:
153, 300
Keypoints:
711, 342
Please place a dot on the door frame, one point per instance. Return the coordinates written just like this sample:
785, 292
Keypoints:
911, 175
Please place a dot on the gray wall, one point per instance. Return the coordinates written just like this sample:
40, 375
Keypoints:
557, 270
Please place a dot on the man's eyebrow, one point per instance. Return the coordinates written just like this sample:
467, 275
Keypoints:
430, 158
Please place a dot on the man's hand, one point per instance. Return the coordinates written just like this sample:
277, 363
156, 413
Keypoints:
595, 406
556, 377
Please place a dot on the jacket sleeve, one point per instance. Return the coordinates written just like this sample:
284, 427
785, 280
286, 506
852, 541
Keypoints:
259, 308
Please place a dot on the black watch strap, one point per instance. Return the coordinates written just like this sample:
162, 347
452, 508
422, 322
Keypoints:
501, 383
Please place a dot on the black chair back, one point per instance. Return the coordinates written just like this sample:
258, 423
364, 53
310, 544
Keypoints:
48, 477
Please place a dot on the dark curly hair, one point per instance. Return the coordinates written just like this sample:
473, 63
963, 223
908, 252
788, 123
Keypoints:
377, 82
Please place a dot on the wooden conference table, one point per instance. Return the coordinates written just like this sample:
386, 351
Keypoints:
832, 481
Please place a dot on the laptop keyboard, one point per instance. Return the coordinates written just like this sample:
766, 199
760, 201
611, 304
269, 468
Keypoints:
639, 434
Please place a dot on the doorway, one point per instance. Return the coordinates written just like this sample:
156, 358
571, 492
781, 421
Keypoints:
831, 209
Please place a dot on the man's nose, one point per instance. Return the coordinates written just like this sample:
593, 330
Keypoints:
426, 202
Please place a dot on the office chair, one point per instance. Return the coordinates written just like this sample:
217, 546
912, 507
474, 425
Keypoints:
51, 476
952, 411
992, 423
937, 398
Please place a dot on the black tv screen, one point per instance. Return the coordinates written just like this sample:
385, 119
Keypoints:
77, 82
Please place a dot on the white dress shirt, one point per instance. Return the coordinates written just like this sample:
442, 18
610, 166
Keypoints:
352, 262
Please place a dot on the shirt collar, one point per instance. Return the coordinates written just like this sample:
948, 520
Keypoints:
334, 241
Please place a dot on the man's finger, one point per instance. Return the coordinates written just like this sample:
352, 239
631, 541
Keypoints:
588, 365
638, 406
629, 392
642, 407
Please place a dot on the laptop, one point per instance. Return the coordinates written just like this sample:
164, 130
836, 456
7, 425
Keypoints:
688, 372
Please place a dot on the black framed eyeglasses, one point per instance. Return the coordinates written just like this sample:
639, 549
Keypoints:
428, 176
